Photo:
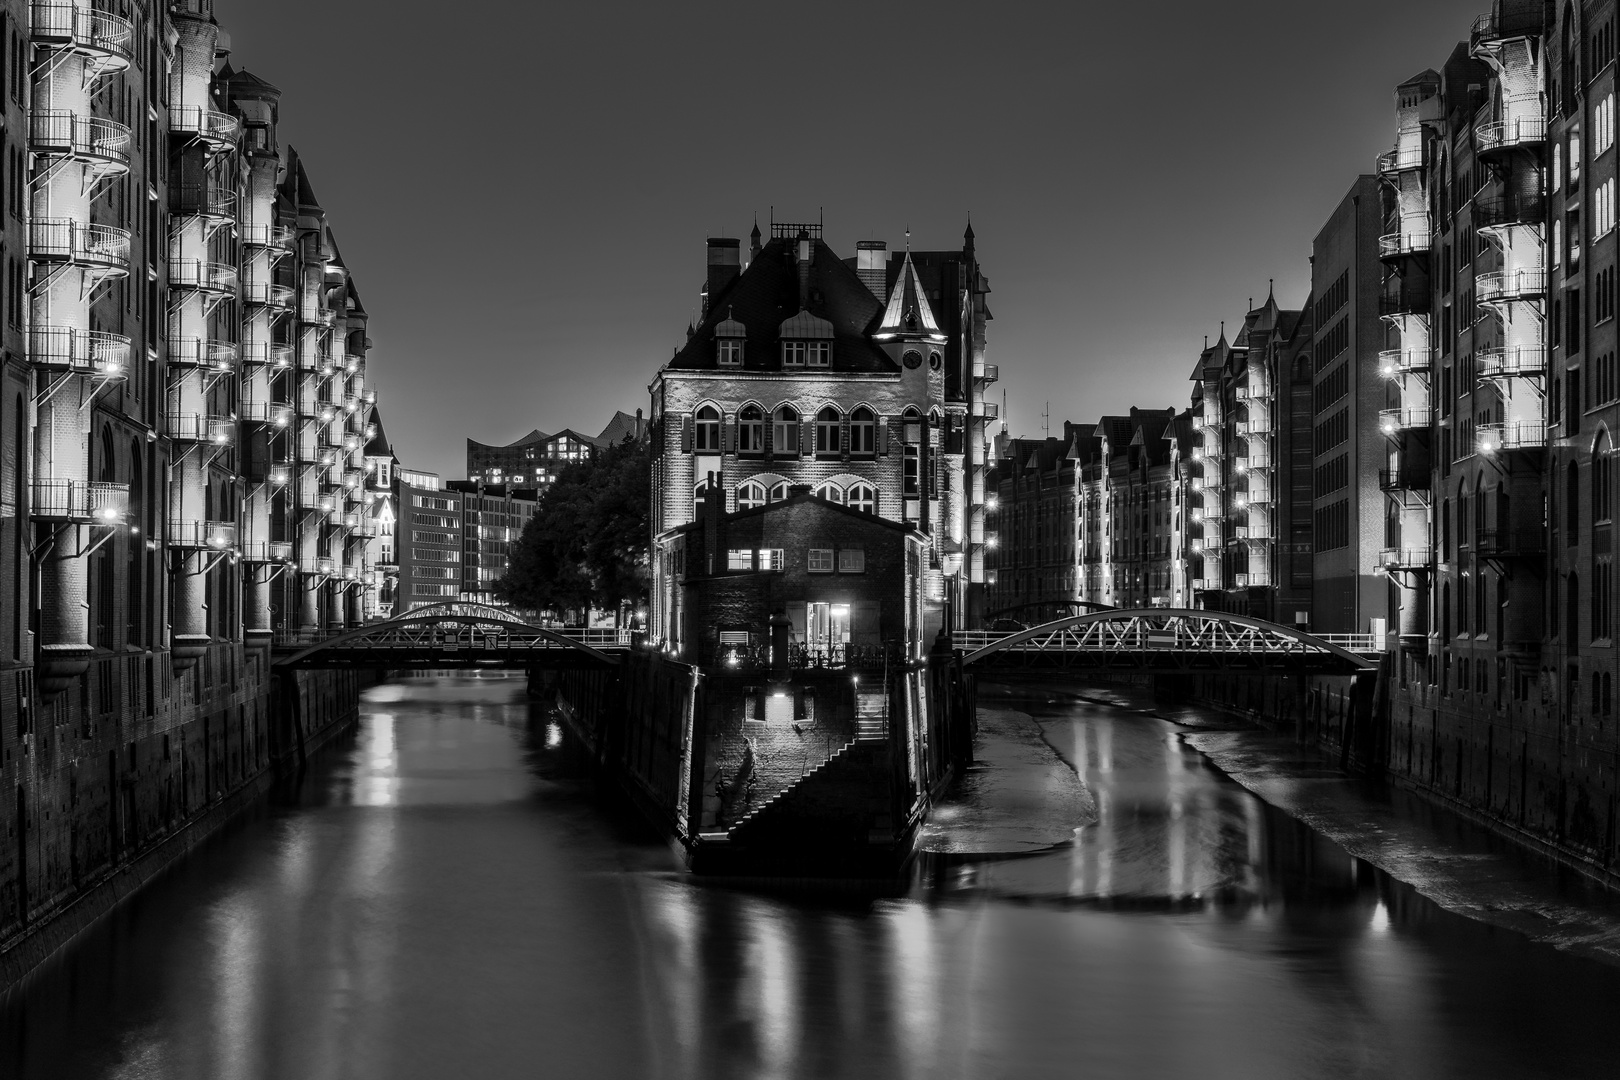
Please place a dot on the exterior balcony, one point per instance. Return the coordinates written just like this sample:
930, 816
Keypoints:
352, 442
370, 432
100, 248
353, 362
1509, 209
280, 475
352, 520
1404, 301
102, 143
1510, 361
1253, 427
368, 398
273, 413
1400, 159
277, 297
1510, 543
200, 352
1399, 244
208, 201
83, 352
267, 551
267, 353
1525, 284
218, 131
1403, 479
1504, 135
200, 274
1393, 363
354, 480
106, 39
198, 428
319, 565
1259, 457
311, 316
1406, 558
987, 373
280, 237
1498, 26
1252, 531
82, 501
1512, 435
1403, 418
1252, 393
192, 9
1251, 579
211, 535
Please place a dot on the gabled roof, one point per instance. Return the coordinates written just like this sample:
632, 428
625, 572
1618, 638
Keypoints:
623, 426
767, 294
794, 500
908, 310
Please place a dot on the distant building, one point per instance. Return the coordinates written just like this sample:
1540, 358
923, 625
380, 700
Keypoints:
493, 518
533, 460
382, 511
1032, 524
428, 543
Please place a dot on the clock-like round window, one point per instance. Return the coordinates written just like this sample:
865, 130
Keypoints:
912, 359
935, 361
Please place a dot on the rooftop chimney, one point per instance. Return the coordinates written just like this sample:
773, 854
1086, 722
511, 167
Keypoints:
871, 259
803, 250
725, 263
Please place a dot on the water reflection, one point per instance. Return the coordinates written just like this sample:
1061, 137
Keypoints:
444, 897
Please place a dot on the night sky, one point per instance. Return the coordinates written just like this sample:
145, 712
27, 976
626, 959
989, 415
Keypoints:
523, 189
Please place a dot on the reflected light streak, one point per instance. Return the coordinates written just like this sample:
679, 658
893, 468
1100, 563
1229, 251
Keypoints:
774, 973
236, 1005
553, 735
1379, 923
378, 783
915, 984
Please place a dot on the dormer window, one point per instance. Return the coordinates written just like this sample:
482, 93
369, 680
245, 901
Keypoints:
794, 353
806, 341
728, 338
820, 354
731, 352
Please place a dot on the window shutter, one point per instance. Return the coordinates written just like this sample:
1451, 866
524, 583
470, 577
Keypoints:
686, 434
883, 435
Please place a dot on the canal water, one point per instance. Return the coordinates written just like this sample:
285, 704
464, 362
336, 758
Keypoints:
443, 897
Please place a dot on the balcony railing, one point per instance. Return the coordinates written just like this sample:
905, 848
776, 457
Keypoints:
1510, 543
201, 274
1509, 209
1505, 363
1400, 159
192, 533
267, 551
87, 352
1403, 418
1519, 20
324, 565
1505, 134
280, 475
1396, 362
1510, 285
1512, 435
196, 9
107, 37
61, 131
195, 427
216, 128
100, 247
266, 412
1405, 558
1252, 531
1261, 392
1403, 243
801, 656
353, 362
95, 502
263, 292
1403, 479
206, 200
199, 352
269, 353
1412, 302
1250, 579
274, 236
986, 372
314, 317
1253, 426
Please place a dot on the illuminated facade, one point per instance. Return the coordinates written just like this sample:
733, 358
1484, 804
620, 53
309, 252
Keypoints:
493, 517
533, 460
862, 380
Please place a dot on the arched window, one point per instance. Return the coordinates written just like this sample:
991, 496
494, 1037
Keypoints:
103, 561
827, 435
785, 432
750, 495
1572, 503
708, 430
751, 430
1462, 603
1602, 479
862, 431
779, 491
830, 491
135, 552
862, 497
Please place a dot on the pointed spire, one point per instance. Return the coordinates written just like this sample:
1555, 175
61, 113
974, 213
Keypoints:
753, 240
908, 310
967, 237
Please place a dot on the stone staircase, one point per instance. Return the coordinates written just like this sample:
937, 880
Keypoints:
846, 796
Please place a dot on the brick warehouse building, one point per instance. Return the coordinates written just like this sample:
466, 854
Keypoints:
862, 379
184, 363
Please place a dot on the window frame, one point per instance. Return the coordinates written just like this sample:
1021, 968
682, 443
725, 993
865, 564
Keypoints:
816, 556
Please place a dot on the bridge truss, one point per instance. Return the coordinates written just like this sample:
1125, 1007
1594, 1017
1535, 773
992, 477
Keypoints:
1167, 640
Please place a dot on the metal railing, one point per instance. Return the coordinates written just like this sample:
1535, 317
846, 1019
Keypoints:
1356, 643
1507, 133
1252, 579
1403, 479
1252, 531
266, 551
201, 274
66, 240
62, 131
1512, 435
265, 412
1413, 302
197, 427
1511, 360
1509, 209
316, 317
804, 656
1393, 362
89, 352
1510, 284
266, 352
1405, 558
1509, 543
79, 500
1404, 243
83, 28
201, 352
206, 124
1403, 418
255, 291
206, 200
260, 235
1400, 159
195, 533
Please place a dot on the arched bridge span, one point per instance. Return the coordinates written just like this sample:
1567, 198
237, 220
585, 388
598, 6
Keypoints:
457, 635
1166, 640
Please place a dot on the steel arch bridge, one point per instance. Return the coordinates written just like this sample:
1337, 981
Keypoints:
1069, 607
457, 635
1162, 640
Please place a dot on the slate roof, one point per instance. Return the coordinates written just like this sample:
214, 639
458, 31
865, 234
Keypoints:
909, 298
767, 293
378, 446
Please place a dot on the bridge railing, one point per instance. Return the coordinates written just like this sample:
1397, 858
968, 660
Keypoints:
596, 637
1175, 635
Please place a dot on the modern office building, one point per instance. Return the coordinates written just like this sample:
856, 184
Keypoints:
493, 518
533, 460
428, 544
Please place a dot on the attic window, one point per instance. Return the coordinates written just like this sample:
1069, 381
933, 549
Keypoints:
731, 352
806, 353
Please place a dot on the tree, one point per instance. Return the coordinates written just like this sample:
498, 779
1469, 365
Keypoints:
587, 544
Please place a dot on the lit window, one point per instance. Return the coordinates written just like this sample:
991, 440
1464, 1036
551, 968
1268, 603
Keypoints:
821, 560
862, 431
750, 495
731, 350
785, 432
708, 430
751, 430
862, 497
831, 492
852, 560
827, 424
750, 559
793, 353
